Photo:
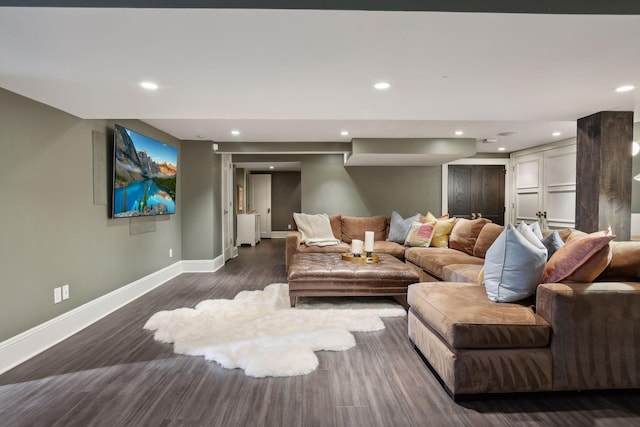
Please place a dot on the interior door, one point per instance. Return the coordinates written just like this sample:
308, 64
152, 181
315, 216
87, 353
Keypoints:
261, 201
477, 191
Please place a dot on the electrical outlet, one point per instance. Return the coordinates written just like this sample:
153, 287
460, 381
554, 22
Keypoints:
170, 253
288, 226
65, 292
57, 295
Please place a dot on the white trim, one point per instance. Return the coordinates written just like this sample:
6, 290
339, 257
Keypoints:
203, 266
635, 226
279, 234
28, 344
506, 162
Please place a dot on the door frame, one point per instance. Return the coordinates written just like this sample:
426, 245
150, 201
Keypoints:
506, 162
229, 249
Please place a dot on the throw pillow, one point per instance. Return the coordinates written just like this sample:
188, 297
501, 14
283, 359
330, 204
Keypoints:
441, 233
465, 233
514, 265
580, 260
552, 242
429, 217
534, 226
399, 227
420, 234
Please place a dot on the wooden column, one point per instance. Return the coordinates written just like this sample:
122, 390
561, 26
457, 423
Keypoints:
603, 172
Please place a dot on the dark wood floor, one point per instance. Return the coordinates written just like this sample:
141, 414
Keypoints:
114, 374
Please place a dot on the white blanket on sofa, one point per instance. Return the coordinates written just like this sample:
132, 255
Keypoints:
315, 229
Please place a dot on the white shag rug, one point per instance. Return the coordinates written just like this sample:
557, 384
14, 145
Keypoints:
260, 333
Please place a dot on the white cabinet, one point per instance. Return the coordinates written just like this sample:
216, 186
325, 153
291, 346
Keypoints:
545, 181
248, 229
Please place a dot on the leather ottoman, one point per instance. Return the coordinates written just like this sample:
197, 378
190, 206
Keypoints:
328, 275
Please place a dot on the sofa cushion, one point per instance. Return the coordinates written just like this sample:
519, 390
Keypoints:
336, 226
463, 316
580, 260
625, 262
432, 260
487, 236
468, 273
514, 265
399, 227
391, 248
420, 234
334, 249
465, 233
354, 227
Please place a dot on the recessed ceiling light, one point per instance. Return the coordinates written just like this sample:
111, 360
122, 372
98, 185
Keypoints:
459, 132
625, 88
200, 136
556, 134
344, 133
270, 167
382, 85
235, 132
149, 85
635, 148
501, 148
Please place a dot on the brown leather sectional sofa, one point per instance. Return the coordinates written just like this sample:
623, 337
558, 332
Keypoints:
569, 336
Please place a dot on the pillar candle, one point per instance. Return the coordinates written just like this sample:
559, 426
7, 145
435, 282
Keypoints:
356, 246
368, 241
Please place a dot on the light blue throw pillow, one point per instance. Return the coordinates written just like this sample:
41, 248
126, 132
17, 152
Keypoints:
399, 227
552, 242
513, 265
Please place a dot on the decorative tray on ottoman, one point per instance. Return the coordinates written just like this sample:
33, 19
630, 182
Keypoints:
362, 259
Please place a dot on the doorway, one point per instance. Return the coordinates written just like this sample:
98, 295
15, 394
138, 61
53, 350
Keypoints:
477, 191
261, 201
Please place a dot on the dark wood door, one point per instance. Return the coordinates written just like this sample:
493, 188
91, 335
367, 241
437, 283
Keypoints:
477, 191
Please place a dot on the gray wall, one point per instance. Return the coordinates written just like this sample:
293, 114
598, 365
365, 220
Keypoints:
201, 201
51, 231
329, 187
285, 199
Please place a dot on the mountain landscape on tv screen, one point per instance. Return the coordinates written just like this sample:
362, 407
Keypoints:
144, 184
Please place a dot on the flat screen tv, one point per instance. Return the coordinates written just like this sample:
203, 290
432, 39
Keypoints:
144, 175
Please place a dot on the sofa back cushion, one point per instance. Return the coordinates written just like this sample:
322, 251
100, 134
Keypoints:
625, 262
353, 227
487, 236
465, 233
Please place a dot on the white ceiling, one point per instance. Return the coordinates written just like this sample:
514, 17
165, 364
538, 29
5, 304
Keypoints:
306, 75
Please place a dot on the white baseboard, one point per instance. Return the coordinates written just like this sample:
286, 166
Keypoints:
635, 226
24, 346
203, 266
279, 234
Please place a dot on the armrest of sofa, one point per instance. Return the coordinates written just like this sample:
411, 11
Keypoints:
293, 242
595, 338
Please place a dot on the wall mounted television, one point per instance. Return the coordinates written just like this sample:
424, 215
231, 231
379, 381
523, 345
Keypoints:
144, 175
